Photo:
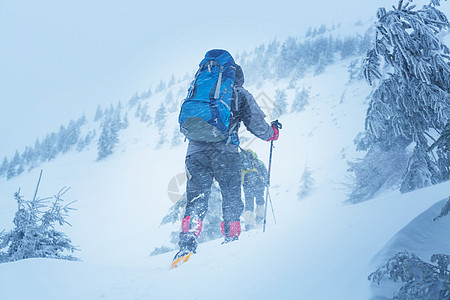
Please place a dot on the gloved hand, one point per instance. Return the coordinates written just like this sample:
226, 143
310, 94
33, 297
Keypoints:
275, 135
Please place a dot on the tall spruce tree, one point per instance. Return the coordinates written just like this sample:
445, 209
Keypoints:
109, 138
301, 99
412, 98
4, 167
280, 104
13, 164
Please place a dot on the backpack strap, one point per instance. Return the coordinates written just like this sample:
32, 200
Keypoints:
236, 107
234, 117
193, 84
219, 83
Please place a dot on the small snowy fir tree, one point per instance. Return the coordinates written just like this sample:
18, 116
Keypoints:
172, 81
177, 137
12, 167
444, 211
421, 280
355, 71
133, 100
306, 183
161, 140
412, 98
147, 94
4, 167
68, 137
144, 116
161, 86
98, 113
301, 99
288, 58
109, 138
161, 116
34, 234
280, 104
172, 104
49, 147
442, 145
325, 54
84, 142
124, 123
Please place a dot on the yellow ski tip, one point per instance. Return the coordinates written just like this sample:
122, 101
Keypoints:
179, 261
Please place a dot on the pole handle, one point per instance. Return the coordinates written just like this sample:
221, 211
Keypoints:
277, 124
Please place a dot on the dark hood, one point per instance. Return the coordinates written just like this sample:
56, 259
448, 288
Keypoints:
239, 80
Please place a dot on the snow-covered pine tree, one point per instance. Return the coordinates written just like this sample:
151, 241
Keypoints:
84, 142
380, 169
49, 147
4, 167
280, 104
171, 103
133, 100
12, 167
301, 99
137, 114
34, 234
444, 211
412, 98
35, 154
177, 137
348, 47
98, 113
144, 117
109, 138
161, 116
147, 94
124, 123
306, 183
27, 155
161, 86
325, 54
288, 58
20, 168
421, 172
161, 140
68, 137
355, 70
171, 81
442, 146
421, 280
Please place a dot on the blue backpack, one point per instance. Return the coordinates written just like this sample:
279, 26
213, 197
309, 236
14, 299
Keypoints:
205, 113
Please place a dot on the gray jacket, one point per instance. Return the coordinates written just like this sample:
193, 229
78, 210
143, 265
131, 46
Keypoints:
244, 109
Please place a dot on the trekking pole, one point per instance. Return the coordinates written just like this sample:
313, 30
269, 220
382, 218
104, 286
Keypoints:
279, 126
271, 205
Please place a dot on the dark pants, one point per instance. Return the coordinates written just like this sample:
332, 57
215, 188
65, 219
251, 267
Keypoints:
253, 194
204, 166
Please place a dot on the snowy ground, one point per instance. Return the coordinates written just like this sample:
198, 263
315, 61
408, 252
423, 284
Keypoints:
320, 248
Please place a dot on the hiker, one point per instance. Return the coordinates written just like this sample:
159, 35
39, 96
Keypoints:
213, 150
254, 182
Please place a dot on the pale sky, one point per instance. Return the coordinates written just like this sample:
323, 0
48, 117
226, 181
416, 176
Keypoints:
60, 58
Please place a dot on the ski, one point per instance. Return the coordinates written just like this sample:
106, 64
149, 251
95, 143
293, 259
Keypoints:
180, 260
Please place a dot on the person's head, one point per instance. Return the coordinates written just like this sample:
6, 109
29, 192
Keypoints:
239, 80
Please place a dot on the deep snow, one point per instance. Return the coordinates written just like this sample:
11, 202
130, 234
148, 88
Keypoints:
320, 248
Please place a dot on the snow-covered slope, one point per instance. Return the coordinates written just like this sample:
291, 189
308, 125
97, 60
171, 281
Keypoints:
320, 248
